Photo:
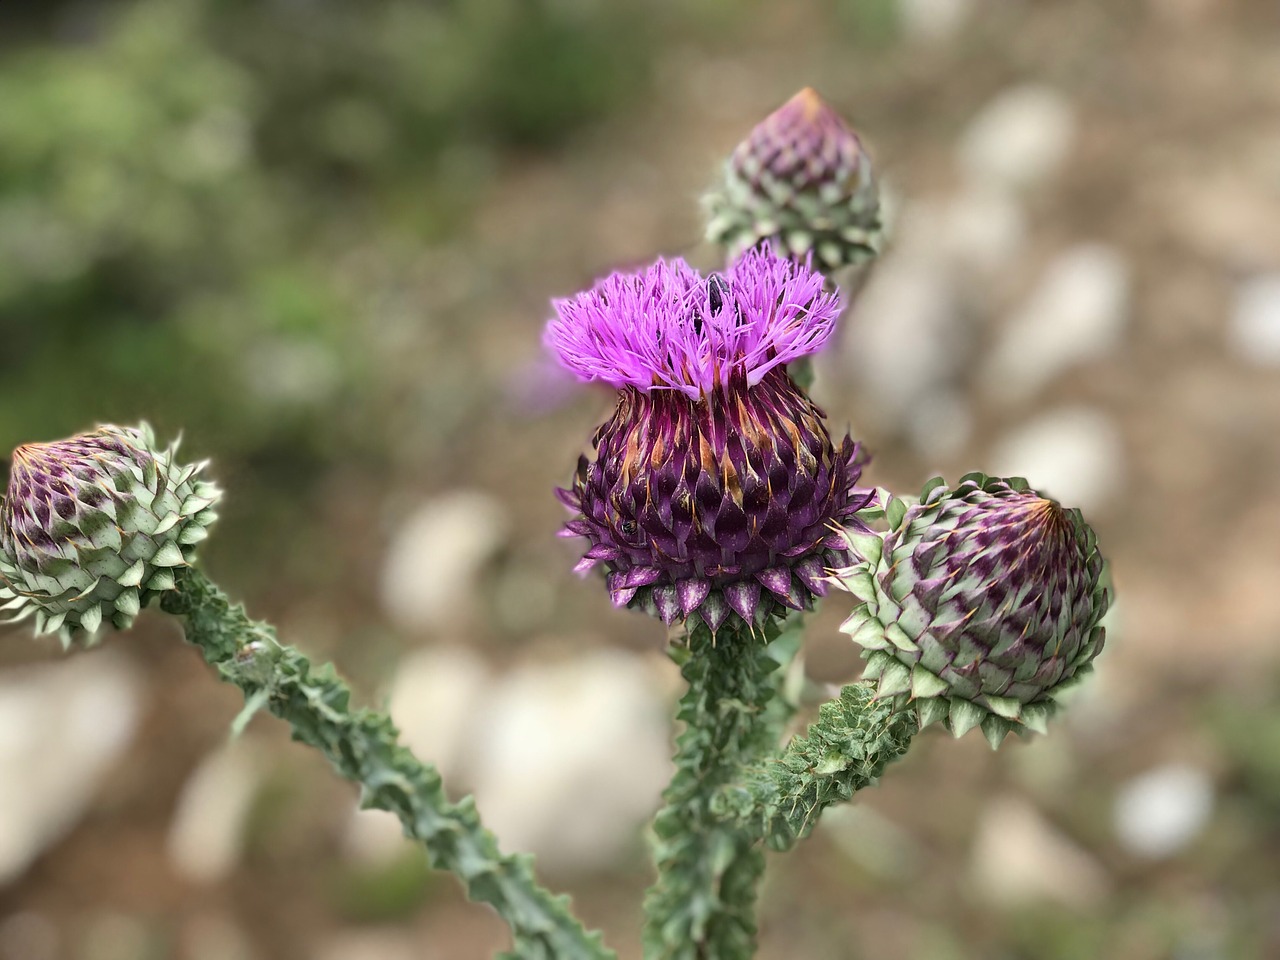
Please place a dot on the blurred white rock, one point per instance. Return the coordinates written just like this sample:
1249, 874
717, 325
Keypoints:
984, 228
933, 21
1073, 454
435, 701
904, 337
206, 836
429, 576
435, 696
1077, 312
374, 945
573, 757
62, 726
1254, 334
1019, 859
566, 760
1020, 138
1160, 812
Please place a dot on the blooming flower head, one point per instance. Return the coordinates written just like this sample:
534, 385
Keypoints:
801, 179
715, 483
92, 527
668, 328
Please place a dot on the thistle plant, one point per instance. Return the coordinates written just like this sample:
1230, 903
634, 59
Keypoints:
714, 499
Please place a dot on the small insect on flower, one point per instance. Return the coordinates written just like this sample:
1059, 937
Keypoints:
93, 527
715, 484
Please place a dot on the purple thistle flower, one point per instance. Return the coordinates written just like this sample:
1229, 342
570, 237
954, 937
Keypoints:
715, 484
668, 328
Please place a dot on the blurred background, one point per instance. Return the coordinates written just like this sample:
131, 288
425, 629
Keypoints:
319, 238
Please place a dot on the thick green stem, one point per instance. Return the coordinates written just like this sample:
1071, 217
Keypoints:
702, 906
847, 748
363, 746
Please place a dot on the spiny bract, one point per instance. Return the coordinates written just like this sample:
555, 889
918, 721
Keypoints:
979, 605
94, 526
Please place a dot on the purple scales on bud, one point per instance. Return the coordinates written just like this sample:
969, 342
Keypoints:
715, 484
980, 604
802, 181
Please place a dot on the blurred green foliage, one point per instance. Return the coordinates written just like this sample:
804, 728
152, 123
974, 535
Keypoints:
181, 181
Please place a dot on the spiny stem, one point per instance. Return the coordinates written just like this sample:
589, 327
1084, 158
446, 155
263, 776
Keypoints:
702, 906
847, 748
363, 746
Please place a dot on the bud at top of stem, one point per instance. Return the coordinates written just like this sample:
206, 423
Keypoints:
94, 526
801, 180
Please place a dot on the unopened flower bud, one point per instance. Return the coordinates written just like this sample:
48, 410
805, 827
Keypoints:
93, 527
980, 605
802, 181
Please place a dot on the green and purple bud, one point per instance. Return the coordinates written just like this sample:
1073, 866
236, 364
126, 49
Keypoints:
979, 605
93, 527
801, 181
715, 486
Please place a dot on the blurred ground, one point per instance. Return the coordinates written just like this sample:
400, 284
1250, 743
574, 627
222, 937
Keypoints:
320, 238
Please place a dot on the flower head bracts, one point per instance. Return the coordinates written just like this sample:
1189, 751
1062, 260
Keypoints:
802, 182
980, 604
92, 527
667, 327
803, 143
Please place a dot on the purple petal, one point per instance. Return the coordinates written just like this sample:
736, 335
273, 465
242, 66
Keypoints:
777, 580
714, 611
642, 576
621, 596
667, 602
744, 598
692, 592
812, 574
